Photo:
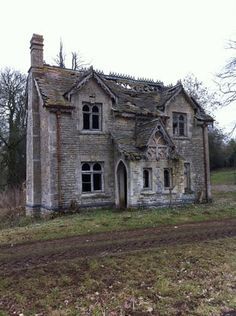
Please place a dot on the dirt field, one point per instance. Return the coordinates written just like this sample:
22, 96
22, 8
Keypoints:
16, 258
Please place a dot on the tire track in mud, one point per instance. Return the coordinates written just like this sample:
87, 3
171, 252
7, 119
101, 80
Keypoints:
28, 256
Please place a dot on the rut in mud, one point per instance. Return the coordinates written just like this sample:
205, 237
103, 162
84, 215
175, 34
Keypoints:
16, 258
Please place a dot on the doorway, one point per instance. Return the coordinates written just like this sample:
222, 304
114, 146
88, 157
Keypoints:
122, 185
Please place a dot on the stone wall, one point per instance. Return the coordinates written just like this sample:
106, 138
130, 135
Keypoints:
78, 145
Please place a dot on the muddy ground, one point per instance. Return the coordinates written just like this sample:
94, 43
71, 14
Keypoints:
16, 258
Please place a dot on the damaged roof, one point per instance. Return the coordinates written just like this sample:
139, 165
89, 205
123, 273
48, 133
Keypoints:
130, 95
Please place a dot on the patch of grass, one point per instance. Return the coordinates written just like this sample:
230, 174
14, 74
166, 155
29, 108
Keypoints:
193, 279
223, 176
93, 221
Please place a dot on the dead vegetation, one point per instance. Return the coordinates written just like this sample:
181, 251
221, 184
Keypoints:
12, 205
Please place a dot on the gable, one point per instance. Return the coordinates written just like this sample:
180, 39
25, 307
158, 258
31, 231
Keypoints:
159, 147
91, 74
180, 103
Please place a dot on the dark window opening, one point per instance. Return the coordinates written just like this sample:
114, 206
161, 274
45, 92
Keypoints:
95, 122
92, 177
86, 182
167, 178
147, 178
97, 166
86, 121
97, 182
92, 116
85, 166
179, 124
187, 178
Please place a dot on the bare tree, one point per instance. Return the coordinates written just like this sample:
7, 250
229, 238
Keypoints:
227, 82
12, 125
207, 99
77, 61
60, 58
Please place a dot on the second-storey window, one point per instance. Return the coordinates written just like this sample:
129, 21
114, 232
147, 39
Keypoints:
92, 177
92, 116
179, 124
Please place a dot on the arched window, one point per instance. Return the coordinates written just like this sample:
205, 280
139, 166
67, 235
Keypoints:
147, 178
92, 116
95, 117
179, 124
86, 117
92, 177
167, 178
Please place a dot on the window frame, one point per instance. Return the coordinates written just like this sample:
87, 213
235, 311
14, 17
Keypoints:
91, 114
187, 177
176, 120
170, 178
149, 187
91, 172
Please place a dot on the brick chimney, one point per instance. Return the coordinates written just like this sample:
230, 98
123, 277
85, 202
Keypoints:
36, 50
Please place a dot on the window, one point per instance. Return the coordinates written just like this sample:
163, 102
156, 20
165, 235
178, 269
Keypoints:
92, 177
147, 178
179, 124
167, 178
92, 116
187, 181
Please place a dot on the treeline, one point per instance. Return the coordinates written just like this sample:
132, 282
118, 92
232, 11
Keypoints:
13, 101
222, 150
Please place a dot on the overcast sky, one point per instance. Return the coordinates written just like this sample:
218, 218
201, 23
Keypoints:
158, 39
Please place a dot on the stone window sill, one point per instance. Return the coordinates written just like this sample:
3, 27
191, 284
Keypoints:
181, 138
95, 195
90, 132
147, 192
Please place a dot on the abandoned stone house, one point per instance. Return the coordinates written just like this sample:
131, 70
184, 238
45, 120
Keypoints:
97, 140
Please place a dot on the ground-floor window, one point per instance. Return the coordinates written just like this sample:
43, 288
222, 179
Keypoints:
187, 178
147, 178
92, 177
167, 178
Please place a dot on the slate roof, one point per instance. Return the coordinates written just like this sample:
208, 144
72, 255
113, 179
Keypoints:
140, 96
133, 96
125, 143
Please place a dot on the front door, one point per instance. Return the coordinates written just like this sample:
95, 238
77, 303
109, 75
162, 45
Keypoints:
122, 185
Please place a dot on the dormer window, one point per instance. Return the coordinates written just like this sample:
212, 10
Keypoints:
179, 124
92, 116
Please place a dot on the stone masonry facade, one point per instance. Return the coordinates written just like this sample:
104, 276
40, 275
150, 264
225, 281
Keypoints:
96, 140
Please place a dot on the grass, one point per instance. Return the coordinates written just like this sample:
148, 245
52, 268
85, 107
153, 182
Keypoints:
194, 279
94, 221
223, 176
